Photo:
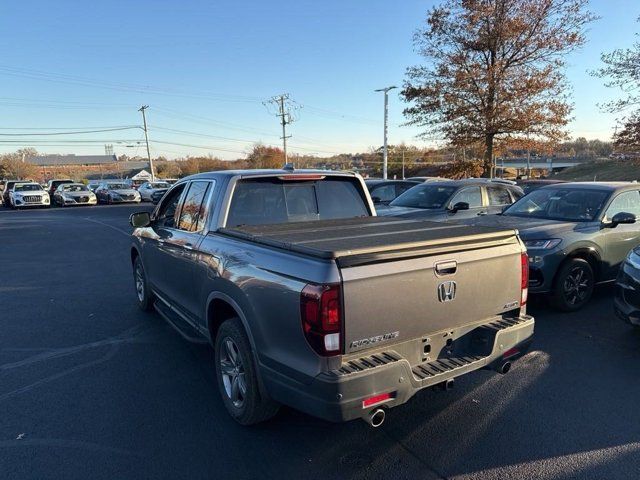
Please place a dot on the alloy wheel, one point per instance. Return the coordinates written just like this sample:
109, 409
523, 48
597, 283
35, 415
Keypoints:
576, 286
140, 283
233, 373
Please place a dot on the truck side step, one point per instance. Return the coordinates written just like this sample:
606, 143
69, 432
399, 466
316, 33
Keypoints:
185, 330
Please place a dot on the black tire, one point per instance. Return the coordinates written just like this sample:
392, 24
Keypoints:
253, 405
573, 285
143, 294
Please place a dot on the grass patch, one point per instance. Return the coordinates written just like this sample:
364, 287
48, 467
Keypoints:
602, 170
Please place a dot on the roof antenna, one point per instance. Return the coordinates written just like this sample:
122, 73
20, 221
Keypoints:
288, 166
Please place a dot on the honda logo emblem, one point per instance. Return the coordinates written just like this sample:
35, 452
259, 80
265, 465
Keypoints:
447, 291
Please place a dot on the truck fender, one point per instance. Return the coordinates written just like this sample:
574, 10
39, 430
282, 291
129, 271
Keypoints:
217, 295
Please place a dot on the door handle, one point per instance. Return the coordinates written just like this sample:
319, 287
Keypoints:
188, 246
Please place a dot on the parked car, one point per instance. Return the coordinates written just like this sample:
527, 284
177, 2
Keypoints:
531, 185
384, 191
93, 186
453, 200
69, 194
157, 195
116, 192
147, 189
627, 292
52, 185
577, 235
425, 179
312, 301
28, 194
133, 183
8, 186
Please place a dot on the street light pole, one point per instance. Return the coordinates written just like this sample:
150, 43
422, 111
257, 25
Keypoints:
386, 119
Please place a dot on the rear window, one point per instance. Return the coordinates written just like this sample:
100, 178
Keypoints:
266, 201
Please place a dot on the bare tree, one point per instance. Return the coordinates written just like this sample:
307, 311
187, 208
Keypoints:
622, 71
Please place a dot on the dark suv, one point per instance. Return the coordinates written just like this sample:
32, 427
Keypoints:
576, 234
453, 199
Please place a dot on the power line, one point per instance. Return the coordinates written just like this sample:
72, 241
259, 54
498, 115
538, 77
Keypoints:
67, 133
285, 108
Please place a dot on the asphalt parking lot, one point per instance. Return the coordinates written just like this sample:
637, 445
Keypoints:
91, 387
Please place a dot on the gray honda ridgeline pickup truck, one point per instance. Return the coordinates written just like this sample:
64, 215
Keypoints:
312, 301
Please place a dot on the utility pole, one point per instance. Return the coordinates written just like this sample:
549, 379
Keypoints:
284, 105
386, 119
403, 164
146, 138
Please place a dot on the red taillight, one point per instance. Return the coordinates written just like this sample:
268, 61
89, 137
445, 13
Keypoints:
383, 397
321, 315
524, 285
510, 353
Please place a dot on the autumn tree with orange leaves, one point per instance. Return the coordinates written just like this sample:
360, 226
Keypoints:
494, 69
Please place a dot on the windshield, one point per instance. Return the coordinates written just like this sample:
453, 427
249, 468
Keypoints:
27, 187
425, 196
573, 205
74, 188
117, 186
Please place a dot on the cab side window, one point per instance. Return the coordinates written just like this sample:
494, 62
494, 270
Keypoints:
194, 210
470, 195
628, 202
166, 213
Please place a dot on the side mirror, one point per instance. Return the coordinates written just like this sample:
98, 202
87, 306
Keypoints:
621, 218
460, 206
376, 200
140, 219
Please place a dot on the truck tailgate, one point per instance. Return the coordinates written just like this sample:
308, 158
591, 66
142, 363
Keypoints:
396, 300
392, 270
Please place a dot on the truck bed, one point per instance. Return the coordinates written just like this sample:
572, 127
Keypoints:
357, 241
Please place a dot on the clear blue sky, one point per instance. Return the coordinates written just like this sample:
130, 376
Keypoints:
204, 67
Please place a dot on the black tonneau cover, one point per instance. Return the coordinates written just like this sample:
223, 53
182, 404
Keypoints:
357, 241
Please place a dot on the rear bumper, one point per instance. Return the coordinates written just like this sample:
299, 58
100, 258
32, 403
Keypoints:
338, 395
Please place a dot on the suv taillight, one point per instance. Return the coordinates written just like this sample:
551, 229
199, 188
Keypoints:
321, 314
524, 284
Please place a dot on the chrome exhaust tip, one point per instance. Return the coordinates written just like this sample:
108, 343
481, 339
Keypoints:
375, 417
504, 368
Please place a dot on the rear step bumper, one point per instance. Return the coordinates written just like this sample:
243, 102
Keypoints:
338, 395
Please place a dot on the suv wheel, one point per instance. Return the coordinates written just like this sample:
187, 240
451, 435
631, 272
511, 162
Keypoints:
143, 295
237, 380
573, 285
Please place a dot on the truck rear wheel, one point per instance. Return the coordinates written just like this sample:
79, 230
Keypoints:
237, 380
573, 285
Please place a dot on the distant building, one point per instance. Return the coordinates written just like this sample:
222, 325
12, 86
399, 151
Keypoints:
71, 160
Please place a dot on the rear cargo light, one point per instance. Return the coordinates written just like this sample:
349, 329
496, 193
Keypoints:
321, 315
524, 284
376, 399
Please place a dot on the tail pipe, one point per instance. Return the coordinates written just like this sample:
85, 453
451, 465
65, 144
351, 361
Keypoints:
375, 417
504, 367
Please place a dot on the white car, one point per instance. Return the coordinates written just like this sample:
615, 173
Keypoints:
28, 194
146, 189
74, 194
